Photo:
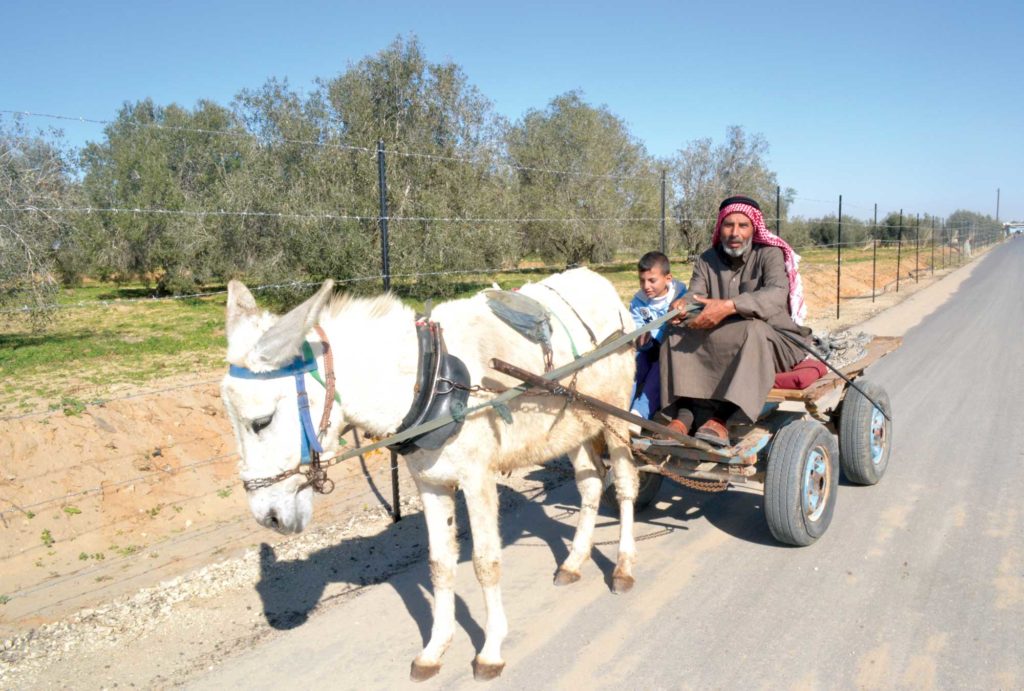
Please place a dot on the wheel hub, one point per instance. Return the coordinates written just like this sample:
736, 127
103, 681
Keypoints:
878, 436
816, 484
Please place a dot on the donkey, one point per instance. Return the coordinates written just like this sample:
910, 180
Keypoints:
376, 359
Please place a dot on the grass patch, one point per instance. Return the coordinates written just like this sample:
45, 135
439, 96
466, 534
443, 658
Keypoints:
106, 336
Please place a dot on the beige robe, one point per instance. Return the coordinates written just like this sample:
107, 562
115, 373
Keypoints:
737, 360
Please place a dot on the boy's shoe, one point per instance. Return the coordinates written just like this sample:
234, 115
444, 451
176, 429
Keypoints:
675, 426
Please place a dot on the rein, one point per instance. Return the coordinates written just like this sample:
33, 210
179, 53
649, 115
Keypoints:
316, 474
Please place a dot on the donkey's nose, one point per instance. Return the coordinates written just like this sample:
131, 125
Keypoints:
272, 521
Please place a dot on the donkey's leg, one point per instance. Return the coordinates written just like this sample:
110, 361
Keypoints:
627, 481
481, 495
588, 481
439, 512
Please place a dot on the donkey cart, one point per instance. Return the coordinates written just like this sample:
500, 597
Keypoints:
791, 453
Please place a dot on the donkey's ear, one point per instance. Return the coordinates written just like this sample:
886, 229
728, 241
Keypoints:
283, 341
241, 306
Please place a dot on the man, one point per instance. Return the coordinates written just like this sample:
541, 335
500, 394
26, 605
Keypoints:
657, 291
720, 363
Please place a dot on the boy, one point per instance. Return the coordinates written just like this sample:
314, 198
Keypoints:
657, 291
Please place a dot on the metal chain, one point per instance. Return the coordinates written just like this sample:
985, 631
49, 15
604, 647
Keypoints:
709, 486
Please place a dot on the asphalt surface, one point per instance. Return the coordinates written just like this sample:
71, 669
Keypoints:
919, 582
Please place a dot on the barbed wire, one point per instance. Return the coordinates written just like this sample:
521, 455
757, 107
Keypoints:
370, 475
116, 564
220, 458
407, 275
195, 130
113, 399
475, 160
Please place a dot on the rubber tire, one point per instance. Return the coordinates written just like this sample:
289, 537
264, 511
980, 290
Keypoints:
650, 484
791, 451
855, 437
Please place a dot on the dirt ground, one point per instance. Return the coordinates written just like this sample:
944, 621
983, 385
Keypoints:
99, 503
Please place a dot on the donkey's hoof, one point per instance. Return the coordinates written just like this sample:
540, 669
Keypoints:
565, 577
422, 672
485, 671
622, 583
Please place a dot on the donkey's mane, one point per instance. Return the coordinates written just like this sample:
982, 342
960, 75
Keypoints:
376, 307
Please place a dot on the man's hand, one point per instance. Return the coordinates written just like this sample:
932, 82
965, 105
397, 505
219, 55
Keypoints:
713, 313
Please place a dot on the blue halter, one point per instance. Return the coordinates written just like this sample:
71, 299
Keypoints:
298, 369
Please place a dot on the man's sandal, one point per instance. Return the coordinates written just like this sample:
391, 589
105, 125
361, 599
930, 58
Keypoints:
714, 432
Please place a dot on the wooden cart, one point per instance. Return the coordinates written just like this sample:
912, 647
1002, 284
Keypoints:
792, 453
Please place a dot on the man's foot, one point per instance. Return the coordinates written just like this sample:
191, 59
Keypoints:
714, 432
677, 426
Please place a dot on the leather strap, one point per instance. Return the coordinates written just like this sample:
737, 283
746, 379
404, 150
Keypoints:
325, 419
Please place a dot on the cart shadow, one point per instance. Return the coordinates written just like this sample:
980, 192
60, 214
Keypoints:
291, 589
737, 513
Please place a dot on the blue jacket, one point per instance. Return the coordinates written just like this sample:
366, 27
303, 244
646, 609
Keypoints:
644, 312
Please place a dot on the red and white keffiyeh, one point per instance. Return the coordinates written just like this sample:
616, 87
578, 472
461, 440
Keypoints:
763, 236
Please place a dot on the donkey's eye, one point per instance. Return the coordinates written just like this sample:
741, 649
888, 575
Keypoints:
261, 422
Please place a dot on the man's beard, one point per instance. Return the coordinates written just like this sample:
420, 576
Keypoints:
739, 251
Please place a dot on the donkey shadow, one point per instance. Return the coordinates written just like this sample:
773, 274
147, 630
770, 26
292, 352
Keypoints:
291, 589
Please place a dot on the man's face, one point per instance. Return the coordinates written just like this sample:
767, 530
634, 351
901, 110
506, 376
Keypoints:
737, 232
654, 283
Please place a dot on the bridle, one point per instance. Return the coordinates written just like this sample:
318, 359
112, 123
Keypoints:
315, 473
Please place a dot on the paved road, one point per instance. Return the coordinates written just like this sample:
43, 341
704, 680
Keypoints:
918, 583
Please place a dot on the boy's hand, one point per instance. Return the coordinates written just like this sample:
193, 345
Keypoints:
680, 305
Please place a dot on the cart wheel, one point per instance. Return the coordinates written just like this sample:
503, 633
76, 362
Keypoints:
800, 487
647, 490
865, 436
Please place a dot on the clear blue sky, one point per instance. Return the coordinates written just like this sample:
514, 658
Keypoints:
916, 105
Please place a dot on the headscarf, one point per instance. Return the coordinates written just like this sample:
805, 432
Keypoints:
762, 236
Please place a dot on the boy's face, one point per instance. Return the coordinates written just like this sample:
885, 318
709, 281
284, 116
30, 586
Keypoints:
654, 283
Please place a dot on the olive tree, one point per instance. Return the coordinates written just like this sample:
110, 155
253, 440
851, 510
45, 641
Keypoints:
703, 174
582, 178
36, 238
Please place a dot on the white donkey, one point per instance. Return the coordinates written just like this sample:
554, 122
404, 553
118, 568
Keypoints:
375, 347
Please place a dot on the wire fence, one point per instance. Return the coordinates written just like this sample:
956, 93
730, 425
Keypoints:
192, 472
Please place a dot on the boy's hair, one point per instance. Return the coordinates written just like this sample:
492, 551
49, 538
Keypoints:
654, 260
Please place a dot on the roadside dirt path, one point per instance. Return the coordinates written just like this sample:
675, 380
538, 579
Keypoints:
144, 537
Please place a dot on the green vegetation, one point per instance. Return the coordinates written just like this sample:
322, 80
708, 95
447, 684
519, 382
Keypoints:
72, 510
136, 342
47, 538
281, 188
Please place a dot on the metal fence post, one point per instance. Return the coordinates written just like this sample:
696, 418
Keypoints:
932, 263
663, 243
899, 250
385, 267
917, 249
874, 265
839, 253
875, 249
778, 211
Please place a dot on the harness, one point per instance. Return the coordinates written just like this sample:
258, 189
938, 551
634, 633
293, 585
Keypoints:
311, 448
442, 390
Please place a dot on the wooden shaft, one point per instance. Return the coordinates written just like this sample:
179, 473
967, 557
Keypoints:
556, 388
